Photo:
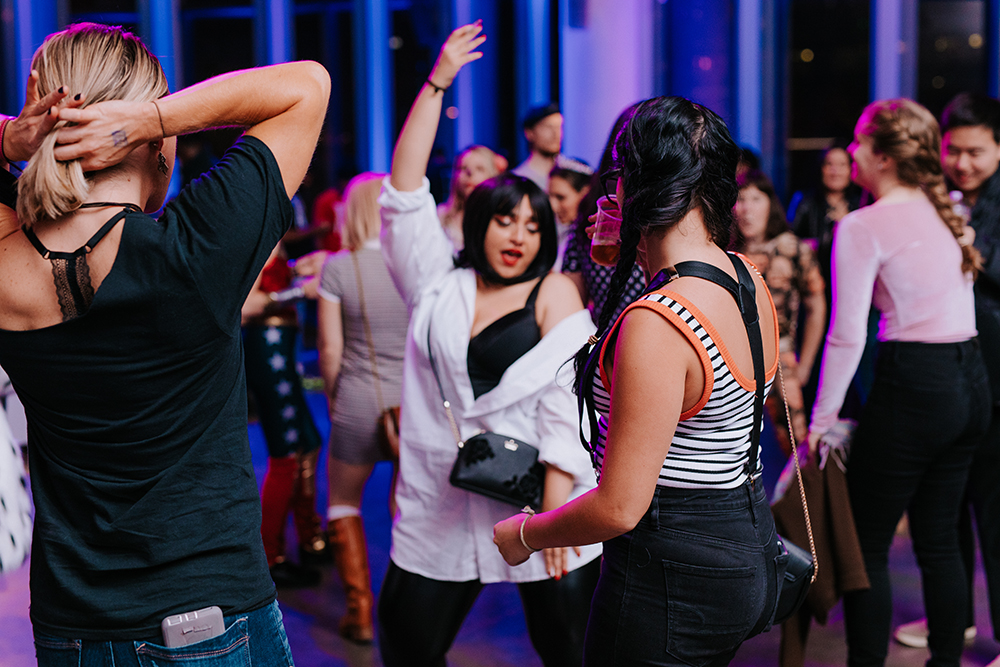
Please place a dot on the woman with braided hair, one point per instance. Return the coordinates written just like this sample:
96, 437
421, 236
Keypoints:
691, 560
911, 255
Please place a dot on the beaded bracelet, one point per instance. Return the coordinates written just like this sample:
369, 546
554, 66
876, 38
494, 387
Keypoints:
528, 513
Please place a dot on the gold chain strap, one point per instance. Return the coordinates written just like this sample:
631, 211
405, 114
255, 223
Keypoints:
798, 473
368, 334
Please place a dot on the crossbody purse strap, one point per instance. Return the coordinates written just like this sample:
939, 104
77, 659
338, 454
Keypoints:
368, 333
444, 401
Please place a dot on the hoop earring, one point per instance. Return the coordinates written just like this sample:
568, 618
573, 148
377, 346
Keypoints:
161, 164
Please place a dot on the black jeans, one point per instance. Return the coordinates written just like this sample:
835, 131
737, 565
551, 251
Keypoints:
419, 617
982, 497
695, 578
928, 411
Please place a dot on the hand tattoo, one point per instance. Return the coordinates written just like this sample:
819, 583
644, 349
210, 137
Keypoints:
118, 138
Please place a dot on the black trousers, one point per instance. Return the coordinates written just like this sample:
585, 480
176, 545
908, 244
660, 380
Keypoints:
983, 498
928, 411
419, 617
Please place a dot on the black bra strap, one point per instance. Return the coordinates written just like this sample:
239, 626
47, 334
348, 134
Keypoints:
530, 303
88, 246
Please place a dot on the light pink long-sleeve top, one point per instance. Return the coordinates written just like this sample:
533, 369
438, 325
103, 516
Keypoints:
902, 258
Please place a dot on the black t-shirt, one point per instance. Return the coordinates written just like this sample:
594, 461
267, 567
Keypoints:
146, 501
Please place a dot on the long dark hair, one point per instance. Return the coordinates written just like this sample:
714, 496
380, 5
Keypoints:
674, 156
500, 196
777, 223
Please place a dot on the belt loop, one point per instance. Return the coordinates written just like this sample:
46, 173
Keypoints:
750, 501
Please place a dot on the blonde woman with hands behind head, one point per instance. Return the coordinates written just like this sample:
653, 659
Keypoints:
121, 336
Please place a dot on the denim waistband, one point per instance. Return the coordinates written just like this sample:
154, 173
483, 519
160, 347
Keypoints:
702, 500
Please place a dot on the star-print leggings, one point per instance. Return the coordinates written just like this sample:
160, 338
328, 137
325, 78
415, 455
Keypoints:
273, 379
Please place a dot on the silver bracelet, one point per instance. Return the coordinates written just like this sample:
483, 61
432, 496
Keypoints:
528, 513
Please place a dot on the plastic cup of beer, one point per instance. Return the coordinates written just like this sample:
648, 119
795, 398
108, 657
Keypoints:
605, 244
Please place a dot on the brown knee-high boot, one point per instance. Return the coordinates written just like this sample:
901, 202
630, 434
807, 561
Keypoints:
346, 537
312, 539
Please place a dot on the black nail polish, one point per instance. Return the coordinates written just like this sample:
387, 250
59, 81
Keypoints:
61, 89
49, 112
78, 95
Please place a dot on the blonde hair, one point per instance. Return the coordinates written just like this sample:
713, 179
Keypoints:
454, 208
102, 63
361, 220
909, 134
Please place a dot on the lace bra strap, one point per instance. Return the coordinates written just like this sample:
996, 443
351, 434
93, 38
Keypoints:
85, 248
70, 270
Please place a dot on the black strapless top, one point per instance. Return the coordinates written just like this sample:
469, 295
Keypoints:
495, 348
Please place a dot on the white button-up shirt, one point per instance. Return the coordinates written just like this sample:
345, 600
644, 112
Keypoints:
442, 532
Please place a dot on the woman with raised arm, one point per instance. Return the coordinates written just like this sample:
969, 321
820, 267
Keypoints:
490, 330
691, 559
121, 335
911, 256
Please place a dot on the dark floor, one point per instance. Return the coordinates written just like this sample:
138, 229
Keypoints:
494, 634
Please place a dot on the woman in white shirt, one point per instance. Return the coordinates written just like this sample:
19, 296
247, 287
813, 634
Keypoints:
500, 329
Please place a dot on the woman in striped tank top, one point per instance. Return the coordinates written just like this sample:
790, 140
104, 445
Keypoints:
691, 560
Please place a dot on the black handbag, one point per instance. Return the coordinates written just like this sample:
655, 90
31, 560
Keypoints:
499, 467
493, 465
800, 572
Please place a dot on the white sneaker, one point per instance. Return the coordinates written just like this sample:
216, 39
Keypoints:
914, 635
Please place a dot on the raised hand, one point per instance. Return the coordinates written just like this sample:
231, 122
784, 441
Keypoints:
24, 134
456, 52
106, 132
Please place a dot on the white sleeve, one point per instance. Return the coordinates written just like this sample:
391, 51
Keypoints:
558, 433
856, 261
416, 249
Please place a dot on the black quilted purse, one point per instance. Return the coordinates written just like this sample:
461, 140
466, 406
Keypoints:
494, 465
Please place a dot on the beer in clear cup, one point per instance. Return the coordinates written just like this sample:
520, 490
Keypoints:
605, 244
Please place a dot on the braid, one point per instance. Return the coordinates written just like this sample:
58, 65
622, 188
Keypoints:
934, 188
909, 134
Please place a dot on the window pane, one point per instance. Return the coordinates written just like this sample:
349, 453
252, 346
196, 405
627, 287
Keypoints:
952, 51
829, 80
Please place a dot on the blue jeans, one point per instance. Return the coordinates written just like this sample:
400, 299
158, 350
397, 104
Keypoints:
928, 411
695, 578
254, 638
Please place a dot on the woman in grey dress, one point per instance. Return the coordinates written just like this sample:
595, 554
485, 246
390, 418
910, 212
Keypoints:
354, 321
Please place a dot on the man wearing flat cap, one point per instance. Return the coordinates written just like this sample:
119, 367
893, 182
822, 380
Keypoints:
543, 130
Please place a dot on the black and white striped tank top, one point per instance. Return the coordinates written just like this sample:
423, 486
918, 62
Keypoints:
712, 440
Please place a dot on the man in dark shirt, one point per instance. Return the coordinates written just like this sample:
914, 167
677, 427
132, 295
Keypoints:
970, 155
